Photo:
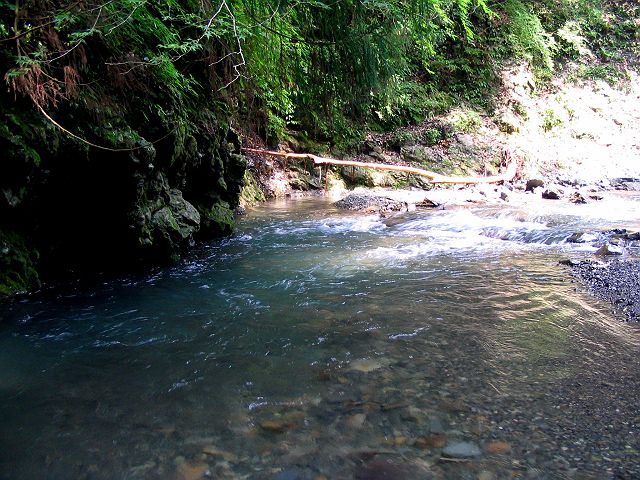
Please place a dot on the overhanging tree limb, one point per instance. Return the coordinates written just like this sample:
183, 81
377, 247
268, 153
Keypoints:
433, 177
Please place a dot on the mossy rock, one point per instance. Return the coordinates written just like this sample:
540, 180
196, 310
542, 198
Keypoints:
251, 192
357, 176
176, 221
218, 220
167, 224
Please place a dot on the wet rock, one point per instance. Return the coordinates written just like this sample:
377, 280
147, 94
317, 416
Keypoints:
426, 203
497, 447
276, 426
428, 442
568, 262
218, 219
366, 365
17, 264
412, 414
294, 473
369, 202
454, 406
461, 450
400, 440
356, 421
486, 475
436, 425
142, 470
302, 180
633, 237
580, 237
551, 194
607, 250
626, 183
533, 184
577, 198
171, 226
215, 451
390, 470
190, 471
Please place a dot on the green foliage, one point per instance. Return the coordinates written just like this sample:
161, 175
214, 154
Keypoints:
321, 66
17, 265
325, 68
527, 37
432, 136
19, 138
550, 120
572, 42
605, 72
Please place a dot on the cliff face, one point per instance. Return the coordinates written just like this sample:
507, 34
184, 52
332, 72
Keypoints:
165, 167
66, 207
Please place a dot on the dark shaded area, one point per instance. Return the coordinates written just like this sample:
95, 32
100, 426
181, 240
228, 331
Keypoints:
112, 160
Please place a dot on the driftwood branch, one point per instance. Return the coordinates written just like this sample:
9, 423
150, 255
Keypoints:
433, 177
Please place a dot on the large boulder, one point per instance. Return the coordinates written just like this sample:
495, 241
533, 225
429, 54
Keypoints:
371, 203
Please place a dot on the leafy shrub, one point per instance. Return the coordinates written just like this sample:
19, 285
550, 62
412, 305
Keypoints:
432, 136
571, 40
527, 37
550, 120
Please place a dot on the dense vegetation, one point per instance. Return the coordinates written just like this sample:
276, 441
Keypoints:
119, 120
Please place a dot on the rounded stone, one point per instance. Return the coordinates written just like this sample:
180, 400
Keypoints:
461, 450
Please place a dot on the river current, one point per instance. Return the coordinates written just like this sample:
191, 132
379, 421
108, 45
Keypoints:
320, 344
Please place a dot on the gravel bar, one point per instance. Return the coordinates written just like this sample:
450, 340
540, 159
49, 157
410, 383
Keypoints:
616, 281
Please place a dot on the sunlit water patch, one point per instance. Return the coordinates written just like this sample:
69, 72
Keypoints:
314, 343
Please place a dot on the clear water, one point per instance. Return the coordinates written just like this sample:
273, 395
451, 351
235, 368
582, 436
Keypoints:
315, 343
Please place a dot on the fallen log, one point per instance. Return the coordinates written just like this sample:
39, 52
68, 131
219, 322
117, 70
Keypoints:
433, 177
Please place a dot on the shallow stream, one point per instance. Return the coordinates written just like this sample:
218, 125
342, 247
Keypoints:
319, 344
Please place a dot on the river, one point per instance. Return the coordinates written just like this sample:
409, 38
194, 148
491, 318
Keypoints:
320, 344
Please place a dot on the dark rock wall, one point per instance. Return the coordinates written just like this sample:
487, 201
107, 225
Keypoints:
67, 209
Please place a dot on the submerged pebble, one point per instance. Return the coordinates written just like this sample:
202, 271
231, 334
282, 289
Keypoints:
461, 450
366, 365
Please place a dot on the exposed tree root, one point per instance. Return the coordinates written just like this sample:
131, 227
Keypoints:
433, 177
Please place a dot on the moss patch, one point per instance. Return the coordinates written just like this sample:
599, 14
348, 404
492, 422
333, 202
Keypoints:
218, 220
251, 192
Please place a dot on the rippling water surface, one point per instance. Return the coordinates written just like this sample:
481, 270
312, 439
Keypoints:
320, 344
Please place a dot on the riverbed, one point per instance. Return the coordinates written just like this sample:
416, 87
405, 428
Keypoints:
317, 343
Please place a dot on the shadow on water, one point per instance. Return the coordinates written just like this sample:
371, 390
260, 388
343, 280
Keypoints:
318, 343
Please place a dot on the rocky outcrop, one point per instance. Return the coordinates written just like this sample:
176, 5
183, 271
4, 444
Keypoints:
67, 209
